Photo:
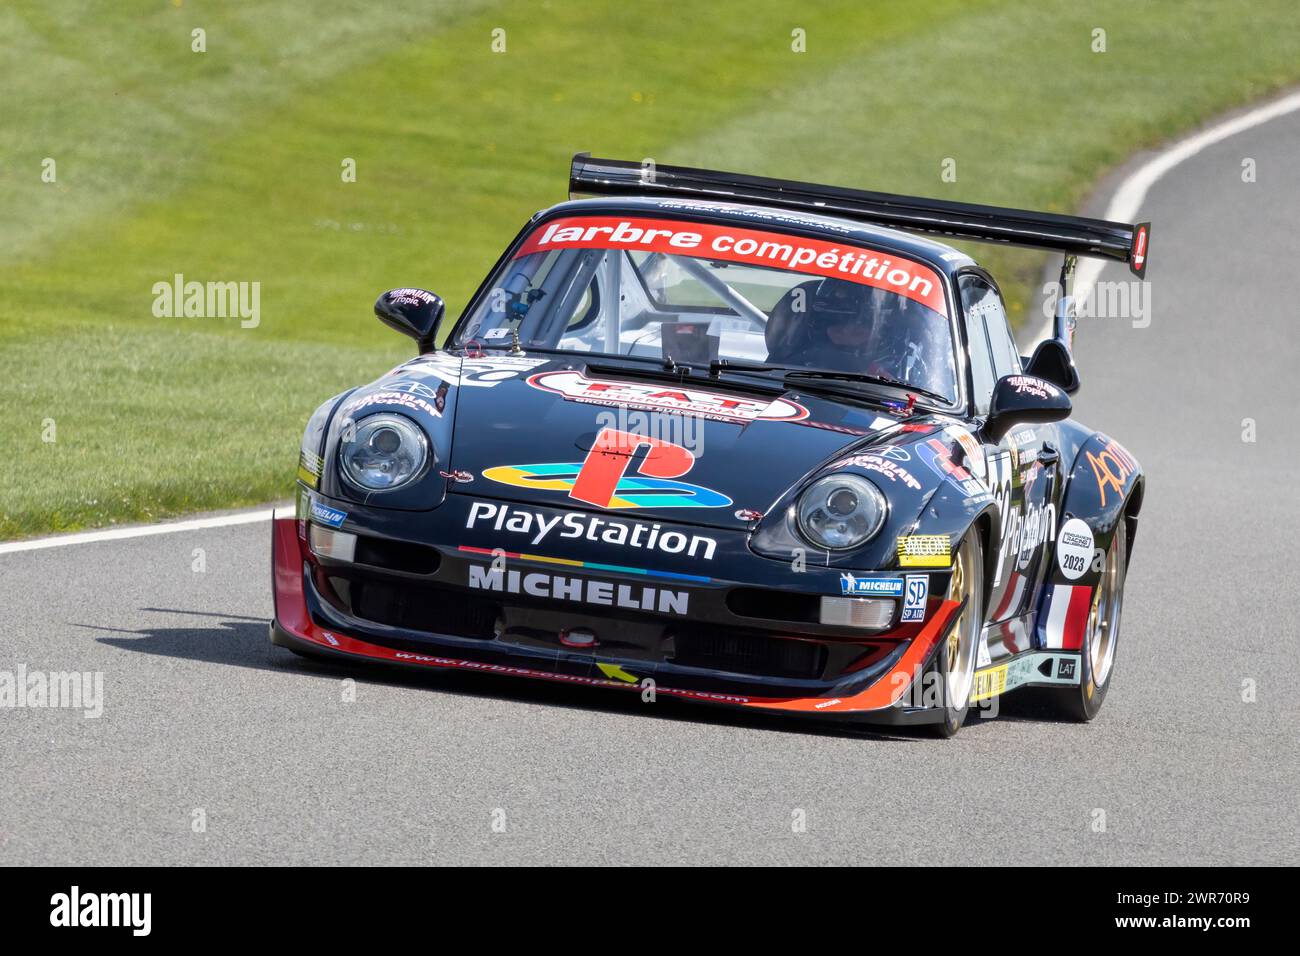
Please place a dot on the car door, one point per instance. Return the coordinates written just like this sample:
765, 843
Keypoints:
1020, 469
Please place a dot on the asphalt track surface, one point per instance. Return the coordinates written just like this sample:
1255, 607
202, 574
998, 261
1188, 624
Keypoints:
202, 714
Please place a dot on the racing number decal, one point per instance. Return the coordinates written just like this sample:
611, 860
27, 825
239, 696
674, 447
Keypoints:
610, 456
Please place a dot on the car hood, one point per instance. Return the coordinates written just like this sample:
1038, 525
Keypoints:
543, 430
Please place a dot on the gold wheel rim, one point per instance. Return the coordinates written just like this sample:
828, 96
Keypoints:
956, 590
963, 638
1103, 618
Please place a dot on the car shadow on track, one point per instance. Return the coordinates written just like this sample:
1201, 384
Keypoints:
241, 641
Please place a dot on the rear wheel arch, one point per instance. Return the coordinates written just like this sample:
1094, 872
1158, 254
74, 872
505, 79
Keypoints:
1131, 508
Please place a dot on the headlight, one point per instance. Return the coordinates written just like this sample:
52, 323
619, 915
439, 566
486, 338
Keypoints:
840, 511
386, 451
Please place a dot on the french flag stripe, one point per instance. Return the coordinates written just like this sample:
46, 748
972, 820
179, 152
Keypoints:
1076, 617
1056, 614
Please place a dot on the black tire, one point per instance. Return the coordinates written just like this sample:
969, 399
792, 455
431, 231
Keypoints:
957, 658
1100, 638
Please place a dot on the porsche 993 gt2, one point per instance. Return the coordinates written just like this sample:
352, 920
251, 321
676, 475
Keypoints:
732, 440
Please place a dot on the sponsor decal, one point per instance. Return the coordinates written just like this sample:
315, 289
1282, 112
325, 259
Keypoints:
580, 590
589, 565
989, 683
864, 266
1018, 445
938, 456
576, 387
602, 478
330, 517
925, 551
1026, 532
1074, 548
310, 466
974, 453
577, 526
481, 371
916, 596
1034, 667
411, 297
1111, 468
1029, 385
1023, 529
881, 465
851, 584
403, 398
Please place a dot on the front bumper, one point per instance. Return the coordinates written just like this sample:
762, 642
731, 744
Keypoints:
876, 691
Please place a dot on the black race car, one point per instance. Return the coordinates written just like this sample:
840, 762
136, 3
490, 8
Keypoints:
732, 440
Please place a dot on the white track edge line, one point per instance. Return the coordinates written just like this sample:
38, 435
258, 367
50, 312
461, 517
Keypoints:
1126, 202
140, 531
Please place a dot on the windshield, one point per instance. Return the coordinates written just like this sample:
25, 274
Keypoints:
696, 292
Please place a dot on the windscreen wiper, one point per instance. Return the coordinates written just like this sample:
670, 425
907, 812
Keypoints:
727, 365
679, 373
833, 376
824, 374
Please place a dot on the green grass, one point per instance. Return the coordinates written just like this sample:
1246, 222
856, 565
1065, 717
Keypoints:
226, 165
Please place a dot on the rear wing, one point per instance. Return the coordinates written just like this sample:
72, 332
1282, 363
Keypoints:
1071, 235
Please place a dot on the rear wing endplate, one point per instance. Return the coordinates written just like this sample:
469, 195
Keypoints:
1071, 235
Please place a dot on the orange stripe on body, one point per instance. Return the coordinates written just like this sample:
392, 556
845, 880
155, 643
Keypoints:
889, 688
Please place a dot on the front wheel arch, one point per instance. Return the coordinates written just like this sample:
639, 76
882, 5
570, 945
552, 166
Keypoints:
983, 526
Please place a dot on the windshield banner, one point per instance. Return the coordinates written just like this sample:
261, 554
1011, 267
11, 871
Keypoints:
704, 240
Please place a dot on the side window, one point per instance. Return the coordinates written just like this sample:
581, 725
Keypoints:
1006, 357
976, 296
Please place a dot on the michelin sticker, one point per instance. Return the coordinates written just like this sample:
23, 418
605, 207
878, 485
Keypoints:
876, 587
1074, 548
330, 517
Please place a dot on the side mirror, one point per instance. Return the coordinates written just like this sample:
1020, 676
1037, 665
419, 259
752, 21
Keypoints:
412, 312
1023, 400
1053, 362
